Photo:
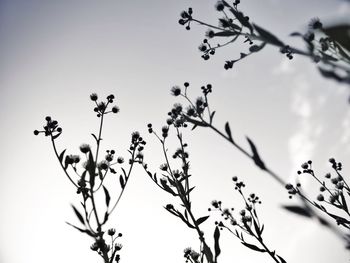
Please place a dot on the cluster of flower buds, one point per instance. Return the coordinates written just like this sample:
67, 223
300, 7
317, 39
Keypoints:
137, 143
101, 107
186, 18
50, 129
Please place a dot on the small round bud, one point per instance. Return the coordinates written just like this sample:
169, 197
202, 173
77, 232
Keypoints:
115, 109
93, 97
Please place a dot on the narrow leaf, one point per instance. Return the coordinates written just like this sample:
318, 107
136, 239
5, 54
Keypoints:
256, 48
82, 230
216, 243
253, 247
60, 158
79, 216
201, 220
167, 188
268, 37
107, 196
56, 136
228, 131
93, 135
121, 181
124, 172
296, 34
298, 210
105, 218
211, 117
225, 34
255, 155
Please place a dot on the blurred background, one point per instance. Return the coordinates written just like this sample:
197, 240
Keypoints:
55, 53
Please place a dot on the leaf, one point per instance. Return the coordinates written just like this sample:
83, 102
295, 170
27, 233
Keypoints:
228, 131
82, 230
261, 229
225, 34
108, 197
167, 188
257, 229
256, 48
93, 135
211, 117
296, 34
112, 170
256, 158
121, 181
267, 36
216, 243
79, 216
201, 220
253, 247
298, 210
105, 218
190, 190
281, 259
124, 172
60, 158
243, 55
56, 136
331, 74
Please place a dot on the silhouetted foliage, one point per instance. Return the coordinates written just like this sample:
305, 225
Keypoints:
334, 191
89, 179
248, 223
328, 47
200, 114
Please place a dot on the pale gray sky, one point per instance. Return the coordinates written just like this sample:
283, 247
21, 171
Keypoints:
53, 54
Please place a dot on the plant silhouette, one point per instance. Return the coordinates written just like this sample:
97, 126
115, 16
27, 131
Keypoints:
325, 46
328, 47
89, 179
198, 113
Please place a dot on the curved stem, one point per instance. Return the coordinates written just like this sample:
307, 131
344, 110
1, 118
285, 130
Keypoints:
56, 153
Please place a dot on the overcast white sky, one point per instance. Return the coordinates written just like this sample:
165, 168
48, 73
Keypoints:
53, 54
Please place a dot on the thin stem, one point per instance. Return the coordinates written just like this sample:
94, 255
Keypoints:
126, 181
56, 153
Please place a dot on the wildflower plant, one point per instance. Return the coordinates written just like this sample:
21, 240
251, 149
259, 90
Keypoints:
334, 192
175, 180
89, 179
199, 113
329, 47
248, 223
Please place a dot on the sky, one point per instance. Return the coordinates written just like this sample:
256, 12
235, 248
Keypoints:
54, 54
